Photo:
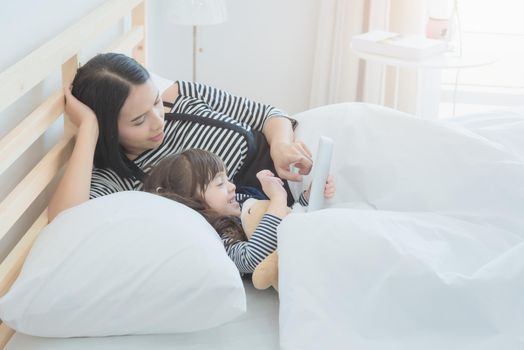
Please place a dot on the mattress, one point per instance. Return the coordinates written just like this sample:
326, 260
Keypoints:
257, 329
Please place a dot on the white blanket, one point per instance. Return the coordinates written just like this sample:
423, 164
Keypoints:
425, 249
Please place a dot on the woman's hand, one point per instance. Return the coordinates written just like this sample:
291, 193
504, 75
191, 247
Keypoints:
77, 111
329, 189
286, 154
272, 186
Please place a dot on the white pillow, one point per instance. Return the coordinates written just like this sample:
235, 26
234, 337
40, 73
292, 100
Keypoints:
127, 263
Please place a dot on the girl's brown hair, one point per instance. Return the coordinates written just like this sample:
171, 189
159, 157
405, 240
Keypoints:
184, 177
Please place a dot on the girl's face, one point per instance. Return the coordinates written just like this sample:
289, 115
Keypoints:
220, 196
141, 120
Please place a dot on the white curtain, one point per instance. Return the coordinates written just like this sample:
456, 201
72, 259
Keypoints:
335, 70
406, 17
338, 75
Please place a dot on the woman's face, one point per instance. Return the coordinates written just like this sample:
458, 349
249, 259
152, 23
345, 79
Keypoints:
141, 120
220, 196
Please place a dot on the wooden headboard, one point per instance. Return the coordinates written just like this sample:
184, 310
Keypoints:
62, 51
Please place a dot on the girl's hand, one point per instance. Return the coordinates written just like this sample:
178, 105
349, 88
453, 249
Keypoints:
285, 154
77, 111
329, 188
272, 186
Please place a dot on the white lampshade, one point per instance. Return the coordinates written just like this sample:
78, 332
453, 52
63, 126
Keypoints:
198, 12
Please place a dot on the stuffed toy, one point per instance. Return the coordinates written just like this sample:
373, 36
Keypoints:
266, 273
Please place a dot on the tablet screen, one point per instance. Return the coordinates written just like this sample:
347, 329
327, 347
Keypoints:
320, 173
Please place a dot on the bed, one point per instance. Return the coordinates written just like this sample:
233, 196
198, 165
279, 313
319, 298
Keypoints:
258, 329
423, 248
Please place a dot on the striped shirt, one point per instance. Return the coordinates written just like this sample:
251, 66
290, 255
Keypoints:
205, 102
248, 254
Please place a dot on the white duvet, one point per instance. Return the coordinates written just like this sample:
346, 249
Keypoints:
423, 246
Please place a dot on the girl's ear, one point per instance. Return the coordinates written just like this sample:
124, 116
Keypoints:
159, 189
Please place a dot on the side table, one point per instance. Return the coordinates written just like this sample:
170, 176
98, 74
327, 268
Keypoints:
427, 106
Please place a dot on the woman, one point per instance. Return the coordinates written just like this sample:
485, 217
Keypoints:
123, 131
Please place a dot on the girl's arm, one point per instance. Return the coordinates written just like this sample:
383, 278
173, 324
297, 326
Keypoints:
273, 187
248, 254
73, 188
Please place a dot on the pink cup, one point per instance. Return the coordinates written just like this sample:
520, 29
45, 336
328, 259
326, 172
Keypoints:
437, 28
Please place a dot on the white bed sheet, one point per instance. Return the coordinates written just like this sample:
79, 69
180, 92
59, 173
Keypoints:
255, 330
426, 247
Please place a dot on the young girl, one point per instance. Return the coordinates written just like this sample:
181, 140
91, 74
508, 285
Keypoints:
198, 179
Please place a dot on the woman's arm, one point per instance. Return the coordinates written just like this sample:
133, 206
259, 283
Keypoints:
273, 122
285, 151
73, 188
238, 108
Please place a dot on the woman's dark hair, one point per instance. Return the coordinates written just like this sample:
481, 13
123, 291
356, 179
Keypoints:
103, 84
184, 177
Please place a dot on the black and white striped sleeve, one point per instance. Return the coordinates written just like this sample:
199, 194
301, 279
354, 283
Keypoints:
302, 199
104, 183
248, 254
239, 108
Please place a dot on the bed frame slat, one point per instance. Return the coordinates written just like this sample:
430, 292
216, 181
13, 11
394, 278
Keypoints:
35, 67
138, 19
18, 80
16, 203
12, 264
68, 73
14, 144
22, 137
127, 42
5, 334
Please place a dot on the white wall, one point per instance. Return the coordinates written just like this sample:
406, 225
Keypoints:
264, 51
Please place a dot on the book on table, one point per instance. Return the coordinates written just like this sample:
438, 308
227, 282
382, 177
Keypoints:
410, 47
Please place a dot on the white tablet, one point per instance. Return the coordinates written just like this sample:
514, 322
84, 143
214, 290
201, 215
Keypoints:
320, 173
